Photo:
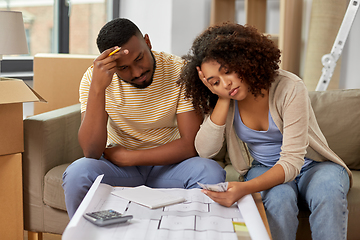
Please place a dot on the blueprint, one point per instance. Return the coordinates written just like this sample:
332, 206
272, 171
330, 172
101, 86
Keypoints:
198, 217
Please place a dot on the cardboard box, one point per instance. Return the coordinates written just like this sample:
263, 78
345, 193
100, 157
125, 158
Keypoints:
13, 93
57, 78
11, 195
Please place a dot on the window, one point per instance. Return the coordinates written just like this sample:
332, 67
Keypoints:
38, 22
86, 19
57, 26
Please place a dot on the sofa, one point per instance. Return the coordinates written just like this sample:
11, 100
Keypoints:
51, 145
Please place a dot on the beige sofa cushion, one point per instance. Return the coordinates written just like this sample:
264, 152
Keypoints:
53, 191
338, 115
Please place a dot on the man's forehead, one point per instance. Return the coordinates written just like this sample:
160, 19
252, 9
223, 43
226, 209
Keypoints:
135, 47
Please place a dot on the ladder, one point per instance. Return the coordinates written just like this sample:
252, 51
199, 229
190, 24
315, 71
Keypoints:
329, 60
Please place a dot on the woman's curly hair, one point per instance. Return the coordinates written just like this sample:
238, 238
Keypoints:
241, 49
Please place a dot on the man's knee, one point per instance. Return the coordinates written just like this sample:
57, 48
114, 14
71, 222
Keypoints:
209, 169
82, 168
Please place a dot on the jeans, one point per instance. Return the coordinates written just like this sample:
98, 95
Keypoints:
322, 187
80, 175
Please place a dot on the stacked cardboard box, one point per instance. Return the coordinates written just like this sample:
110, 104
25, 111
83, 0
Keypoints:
57, 78
12, 95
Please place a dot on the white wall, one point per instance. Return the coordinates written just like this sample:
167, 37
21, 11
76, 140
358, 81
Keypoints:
190, 18
350, 63
173, 24
153, 17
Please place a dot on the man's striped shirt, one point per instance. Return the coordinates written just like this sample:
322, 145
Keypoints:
143, 118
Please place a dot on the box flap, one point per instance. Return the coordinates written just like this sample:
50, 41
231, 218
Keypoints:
16, 91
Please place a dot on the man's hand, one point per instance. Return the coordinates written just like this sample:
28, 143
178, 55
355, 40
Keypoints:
118, 155
228, 198
104, 67
169, 153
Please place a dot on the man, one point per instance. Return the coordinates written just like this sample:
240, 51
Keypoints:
137, 128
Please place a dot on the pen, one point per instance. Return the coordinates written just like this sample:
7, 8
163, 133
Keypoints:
115, 51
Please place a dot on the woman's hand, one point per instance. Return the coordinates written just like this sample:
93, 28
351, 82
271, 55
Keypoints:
220, 111
205, 82
234, 192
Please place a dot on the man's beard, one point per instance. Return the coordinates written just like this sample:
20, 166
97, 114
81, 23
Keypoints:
147, 83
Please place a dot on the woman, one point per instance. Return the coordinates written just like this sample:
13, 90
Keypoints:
264, 117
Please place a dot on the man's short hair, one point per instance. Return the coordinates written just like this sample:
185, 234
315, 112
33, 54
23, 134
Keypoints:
117, 32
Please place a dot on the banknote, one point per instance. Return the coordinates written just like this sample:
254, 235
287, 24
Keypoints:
220, 187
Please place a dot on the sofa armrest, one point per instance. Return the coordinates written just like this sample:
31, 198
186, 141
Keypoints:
50, 140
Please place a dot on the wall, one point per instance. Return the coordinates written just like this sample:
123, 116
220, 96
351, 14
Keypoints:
172, 26
190, 18
152, 17
350, 62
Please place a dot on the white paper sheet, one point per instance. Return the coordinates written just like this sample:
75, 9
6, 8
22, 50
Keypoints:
201, 218
149, 197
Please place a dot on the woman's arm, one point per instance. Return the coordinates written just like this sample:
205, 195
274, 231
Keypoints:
295, 126
209, 139
219, 114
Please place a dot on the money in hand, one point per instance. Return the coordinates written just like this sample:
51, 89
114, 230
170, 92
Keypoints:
220, 187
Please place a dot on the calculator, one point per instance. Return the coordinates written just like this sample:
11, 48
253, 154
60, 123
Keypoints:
106, 217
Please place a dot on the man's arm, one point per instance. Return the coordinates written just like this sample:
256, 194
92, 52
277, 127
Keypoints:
93, 132
93, 129
170, 153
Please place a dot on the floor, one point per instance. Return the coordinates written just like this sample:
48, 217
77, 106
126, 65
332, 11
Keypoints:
46, 236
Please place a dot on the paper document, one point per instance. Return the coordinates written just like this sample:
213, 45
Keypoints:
149, 197
196, 218
220, 187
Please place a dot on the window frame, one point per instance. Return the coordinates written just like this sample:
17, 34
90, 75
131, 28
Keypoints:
22, 67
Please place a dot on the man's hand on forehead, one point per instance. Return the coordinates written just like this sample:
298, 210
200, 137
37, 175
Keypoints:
116, 50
